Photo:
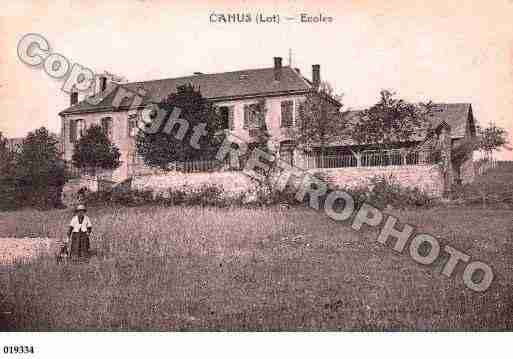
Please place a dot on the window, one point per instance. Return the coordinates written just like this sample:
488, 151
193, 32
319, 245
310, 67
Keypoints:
287, 152
76, 130
226, 113
136, 159
107, 126
287, 115
251, 116
132, 125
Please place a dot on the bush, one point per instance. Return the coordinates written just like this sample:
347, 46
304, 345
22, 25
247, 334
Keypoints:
39, 174
127, 198
206, 195
384, 191
265, 195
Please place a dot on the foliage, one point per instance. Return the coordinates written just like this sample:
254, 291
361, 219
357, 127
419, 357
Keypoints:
390, 121
39, 172
94, 150
319, 119
384, 191
166, 146
491, 138
209, 195
7, 176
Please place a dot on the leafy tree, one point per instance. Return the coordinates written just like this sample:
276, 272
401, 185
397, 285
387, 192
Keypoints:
176, 142
319, 119
5, 153
388, 122
95, 151
492, 138
259, 131
39, 172
7, 184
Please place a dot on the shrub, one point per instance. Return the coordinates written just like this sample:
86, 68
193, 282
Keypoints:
264, 195
383, 191
94, 150
125, 198
39, 173
206, 195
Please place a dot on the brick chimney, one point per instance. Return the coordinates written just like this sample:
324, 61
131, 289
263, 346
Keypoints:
103, 83
316, 75
277, 68
73, 97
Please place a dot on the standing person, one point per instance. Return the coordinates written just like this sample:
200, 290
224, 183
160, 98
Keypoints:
79, 231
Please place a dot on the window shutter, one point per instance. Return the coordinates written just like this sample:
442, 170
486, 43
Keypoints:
287, 108
298, 116
230, 118
107, 127
132, 125
72, 131
246, 117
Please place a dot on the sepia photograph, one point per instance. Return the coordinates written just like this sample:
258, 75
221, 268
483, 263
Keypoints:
233, 166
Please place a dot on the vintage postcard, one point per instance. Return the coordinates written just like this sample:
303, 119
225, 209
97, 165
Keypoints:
230, 166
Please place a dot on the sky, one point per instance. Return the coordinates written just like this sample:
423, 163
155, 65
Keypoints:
444, 51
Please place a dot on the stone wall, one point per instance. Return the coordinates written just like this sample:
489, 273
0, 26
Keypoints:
428, 178
232, 182
467, 170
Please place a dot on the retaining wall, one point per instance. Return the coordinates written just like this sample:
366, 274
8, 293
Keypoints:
428, 178
232, 182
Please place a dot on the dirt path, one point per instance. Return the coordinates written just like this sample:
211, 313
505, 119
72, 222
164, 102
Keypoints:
24, 249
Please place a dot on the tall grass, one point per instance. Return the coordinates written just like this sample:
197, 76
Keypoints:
194, 268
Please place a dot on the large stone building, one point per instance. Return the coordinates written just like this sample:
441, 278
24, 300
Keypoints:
283, 88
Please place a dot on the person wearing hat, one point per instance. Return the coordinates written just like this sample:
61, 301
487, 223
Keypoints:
79, 230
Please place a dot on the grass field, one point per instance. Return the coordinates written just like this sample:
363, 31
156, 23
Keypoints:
193, 268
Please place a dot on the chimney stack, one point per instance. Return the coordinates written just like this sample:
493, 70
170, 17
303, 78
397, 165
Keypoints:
316, 75
277, 68
73, 97
103, 83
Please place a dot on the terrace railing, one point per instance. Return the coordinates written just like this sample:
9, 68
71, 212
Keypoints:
370, 159
197, 166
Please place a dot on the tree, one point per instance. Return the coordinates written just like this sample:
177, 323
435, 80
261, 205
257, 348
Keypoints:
319, 119
7, 184
176, 142
39, 172
490, 139
95, 151
389, 122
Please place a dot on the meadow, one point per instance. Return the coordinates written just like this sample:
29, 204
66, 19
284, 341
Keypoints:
202, 268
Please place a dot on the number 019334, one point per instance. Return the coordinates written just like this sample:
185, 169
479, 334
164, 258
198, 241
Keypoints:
18, 349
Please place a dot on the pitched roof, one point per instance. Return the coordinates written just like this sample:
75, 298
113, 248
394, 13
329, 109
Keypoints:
219, 86
453, 114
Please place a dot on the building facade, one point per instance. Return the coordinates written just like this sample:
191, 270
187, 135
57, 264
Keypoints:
281, 89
